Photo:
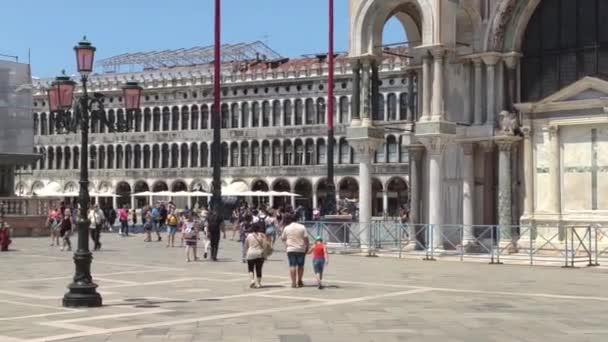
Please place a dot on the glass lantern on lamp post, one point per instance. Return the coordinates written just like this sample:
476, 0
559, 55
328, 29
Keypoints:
71, 119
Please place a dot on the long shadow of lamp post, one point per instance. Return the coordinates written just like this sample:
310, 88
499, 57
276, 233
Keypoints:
83, 291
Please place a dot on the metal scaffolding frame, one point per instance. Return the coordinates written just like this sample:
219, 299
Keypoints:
239, 52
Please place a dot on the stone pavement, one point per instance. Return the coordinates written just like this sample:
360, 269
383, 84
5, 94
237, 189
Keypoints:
150, 293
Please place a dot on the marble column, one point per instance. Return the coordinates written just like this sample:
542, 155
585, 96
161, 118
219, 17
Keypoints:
489, 199
511, 61
293, 202
416, 153
133, 202
438, 110
434, 148
468, 193
504, 183
491, 61
315, 199
478, 113
366, 82
365, 149
426, 88
385, 202
554, 190
356, 98
411, 115
528, 172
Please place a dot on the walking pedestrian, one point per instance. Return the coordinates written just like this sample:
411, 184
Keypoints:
191, 238
244, 230
255, 252
123, 217
67, 226
320, 259
54, 224
172, 222
215, 226
5, 234
133, 219
296, 242
96, 218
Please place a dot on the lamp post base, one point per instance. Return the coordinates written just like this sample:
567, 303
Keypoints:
82, 295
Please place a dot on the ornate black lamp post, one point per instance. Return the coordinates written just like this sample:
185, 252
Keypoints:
83, 291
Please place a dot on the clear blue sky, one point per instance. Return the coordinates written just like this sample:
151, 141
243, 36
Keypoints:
50, 28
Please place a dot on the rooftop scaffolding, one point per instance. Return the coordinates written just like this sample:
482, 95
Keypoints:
200, 55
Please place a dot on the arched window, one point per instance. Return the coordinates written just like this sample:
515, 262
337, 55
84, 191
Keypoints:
224, 155
204, 155
137, 157
234, 115
276, 113
174, 156
565, 40
166, 121
309, 152
255, 153
76, 159
265, 114
194, 154
403, 106
287, 113
67, 155
36, 124
128, 157
43, 124
59, 158
265, 153
120, 156
185, 118
245, 115
255, 118
225, 115
147, 157
234, 154
245, 154
321, 152
393, 149
392, 107
165, 156
147, 119
344, 152
52, 124
310, 112
101, 157
92, 157
205, 116
379, 111
343, 113
138, 121
299, 112
50, 158
111, 157
299, 148
276, 153
194, 123
288, 153
156, 119
175, 119
184, 154
156, 157
321, 109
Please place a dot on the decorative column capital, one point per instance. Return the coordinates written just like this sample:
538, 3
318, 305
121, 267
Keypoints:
487, 146
491, 58
435, 145
553, 131
505, 145
438, 52
355, 63
527, 131
511, 59
416, 151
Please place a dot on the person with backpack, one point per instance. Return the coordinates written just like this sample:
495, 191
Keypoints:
172, 222
191, 238
156, 223
96, 218
215, 226
257, 249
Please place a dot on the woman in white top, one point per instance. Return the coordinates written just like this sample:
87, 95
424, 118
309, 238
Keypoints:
255, 245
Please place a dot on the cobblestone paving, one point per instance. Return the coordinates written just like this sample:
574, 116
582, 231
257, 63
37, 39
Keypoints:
150, 293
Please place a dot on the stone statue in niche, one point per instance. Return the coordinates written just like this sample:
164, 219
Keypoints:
509, 123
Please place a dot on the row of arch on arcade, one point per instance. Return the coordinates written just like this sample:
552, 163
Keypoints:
238, 115
393, 194
310, 151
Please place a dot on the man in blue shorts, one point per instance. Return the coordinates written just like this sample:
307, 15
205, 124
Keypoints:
296, 240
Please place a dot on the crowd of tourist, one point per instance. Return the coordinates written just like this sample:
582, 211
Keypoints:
256, 229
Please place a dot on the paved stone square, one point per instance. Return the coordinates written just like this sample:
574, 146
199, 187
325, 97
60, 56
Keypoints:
150, 293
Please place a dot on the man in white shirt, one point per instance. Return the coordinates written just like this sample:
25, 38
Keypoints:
296, 241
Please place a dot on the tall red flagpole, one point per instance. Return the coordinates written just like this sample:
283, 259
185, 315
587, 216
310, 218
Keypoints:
330, 199
216, 158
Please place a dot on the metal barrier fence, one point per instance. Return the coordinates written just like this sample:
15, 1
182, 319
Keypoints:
569, 246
